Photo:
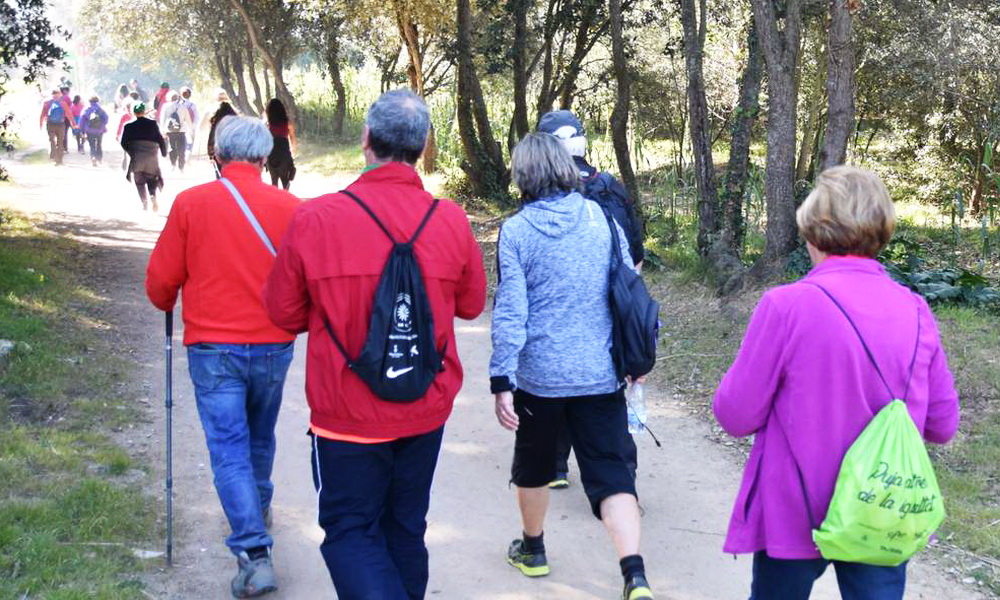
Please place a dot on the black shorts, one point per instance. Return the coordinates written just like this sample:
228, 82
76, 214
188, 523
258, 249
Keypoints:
595, 424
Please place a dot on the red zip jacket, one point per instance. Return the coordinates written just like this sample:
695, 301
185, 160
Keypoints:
209, 249
330, 263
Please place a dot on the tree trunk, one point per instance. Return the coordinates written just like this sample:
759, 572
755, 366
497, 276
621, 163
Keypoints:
411, 41
225, 75
619, 115
242, 99
519, 123
737, 171
267, 83
272, 61
839, 86
251, 63
781, 48
544, 103
581, 48
332, 57
701, 142
484, 163
815, 95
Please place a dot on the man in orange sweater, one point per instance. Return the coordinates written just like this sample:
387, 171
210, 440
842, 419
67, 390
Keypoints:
217, 247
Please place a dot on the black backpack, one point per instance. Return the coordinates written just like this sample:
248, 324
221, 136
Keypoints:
174, 121
94, 121
600, 188
399, 360
635, 316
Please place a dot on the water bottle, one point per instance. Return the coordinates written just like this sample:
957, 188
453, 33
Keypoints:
636, 405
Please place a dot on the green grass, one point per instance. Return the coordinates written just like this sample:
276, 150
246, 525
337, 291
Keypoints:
62, 531
329, 157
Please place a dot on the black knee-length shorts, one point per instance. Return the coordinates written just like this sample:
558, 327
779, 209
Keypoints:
596, 425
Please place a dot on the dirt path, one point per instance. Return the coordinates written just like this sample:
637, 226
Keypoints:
686, 487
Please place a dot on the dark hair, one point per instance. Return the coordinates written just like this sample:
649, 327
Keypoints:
225, 110
77, 99
133, 95
276, 113
123, 90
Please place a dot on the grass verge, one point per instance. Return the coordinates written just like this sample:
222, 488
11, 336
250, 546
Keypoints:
70, 510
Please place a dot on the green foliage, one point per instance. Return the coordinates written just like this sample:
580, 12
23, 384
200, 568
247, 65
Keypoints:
904, 261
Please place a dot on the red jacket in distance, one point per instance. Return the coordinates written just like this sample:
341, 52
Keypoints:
330, 264
209, 249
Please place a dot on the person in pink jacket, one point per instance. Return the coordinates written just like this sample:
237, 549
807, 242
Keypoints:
804, 386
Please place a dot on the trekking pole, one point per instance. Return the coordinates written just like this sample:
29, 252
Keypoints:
170, 441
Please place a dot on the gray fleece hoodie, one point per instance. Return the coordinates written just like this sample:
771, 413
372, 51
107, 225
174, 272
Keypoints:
551, 321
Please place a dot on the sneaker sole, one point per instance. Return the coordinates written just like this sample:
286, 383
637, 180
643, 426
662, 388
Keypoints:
559, 484
529, 571
640, 593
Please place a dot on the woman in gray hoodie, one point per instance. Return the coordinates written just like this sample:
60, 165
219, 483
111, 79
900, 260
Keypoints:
551, 358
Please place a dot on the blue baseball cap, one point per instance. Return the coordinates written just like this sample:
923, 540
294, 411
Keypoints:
561, 123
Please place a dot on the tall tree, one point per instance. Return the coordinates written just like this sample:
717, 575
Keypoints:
779, 26
695, 23
737, 170
273, 49
519, 49
839, 83
620, 113
484, 164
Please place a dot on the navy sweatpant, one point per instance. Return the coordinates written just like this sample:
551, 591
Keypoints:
373, 501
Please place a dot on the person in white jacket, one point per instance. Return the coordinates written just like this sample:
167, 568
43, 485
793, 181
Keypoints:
177, 121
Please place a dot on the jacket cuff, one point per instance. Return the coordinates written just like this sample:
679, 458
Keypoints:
499, 384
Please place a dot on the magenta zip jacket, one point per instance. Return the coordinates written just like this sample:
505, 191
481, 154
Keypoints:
803, 385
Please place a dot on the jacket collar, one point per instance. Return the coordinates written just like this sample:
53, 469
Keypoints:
240, 170
836, 264
392, 173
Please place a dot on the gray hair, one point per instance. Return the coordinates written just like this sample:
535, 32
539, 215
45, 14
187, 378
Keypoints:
242, 139
541, 167
398, 123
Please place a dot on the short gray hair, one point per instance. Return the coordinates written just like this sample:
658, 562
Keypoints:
242, 139
541, 167
398, 123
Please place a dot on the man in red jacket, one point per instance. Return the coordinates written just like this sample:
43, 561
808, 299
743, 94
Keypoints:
373, 460
211, 250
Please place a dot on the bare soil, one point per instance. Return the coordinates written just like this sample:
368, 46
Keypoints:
686, 487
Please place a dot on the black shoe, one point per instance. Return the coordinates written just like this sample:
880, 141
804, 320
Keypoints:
532, 564
637, 588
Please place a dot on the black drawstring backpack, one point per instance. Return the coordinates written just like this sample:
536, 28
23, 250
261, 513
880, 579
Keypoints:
399, 360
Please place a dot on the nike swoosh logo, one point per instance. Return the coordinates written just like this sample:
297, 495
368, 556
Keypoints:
392, 373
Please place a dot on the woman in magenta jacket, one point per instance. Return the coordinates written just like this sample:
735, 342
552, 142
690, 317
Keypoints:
804, 386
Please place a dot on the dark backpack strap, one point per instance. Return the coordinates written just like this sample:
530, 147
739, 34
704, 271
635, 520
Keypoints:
616, 251
370, 214
382, 226
329, 329
427, 217
868, 351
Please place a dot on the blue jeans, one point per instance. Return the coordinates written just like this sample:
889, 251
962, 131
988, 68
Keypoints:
373, 501
778, 579
238, 391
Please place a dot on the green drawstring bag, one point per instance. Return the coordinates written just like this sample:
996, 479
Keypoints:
886, 503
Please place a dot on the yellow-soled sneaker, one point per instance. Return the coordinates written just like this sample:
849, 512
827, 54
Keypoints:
561, 482
637, 588
531, 564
